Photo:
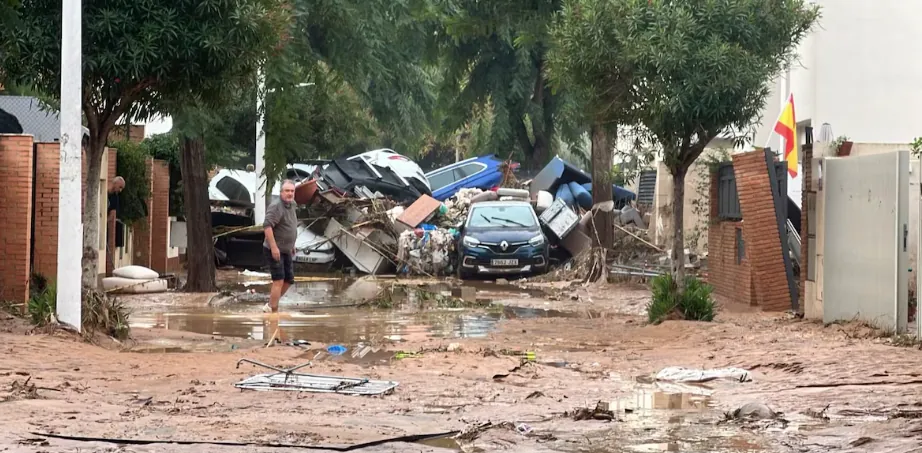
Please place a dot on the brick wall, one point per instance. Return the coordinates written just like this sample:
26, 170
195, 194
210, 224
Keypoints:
159, 211
16, 154
142, 228
111, 167
133, 133
760, 232
730, 276
47, 183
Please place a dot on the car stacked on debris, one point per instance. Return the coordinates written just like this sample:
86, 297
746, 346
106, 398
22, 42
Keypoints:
378, 213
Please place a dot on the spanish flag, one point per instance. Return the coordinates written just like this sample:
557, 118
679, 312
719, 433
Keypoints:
786, 127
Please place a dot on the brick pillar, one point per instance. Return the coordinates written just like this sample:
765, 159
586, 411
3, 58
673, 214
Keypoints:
159, 213
806, 178
142, 229
47, 182
16, 154
111, 173
760, 232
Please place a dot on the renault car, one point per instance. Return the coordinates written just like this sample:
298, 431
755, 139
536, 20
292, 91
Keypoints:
502, 238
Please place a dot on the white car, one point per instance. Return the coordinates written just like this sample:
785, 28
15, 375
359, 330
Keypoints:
240, 185
405, 168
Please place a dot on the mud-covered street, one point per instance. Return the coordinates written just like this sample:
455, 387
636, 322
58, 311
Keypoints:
458, 366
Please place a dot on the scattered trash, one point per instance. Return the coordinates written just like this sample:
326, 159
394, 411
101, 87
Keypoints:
679, 374
426, 251
287, 379
601, 411
399, 355
754, 411
337, 349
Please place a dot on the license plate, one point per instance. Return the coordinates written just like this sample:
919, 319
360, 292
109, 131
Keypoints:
505, 262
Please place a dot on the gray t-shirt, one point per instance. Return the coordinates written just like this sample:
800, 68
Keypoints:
283, 220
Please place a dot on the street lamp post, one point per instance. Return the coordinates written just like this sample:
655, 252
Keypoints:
70, 220
260, 201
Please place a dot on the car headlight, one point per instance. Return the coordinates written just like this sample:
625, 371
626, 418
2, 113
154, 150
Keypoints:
470, 242
537, 240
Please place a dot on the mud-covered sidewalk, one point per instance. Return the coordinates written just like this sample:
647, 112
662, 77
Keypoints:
835, 388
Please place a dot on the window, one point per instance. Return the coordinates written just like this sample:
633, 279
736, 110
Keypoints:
502, 216
440, 180
234, 190
728, 200
740, 246
468, 169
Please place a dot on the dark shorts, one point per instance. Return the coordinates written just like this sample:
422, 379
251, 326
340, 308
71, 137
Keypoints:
281, 269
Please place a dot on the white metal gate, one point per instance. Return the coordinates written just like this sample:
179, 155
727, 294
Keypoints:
865, 251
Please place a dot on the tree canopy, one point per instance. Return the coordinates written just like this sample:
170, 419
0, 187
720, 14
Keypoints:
684, 72
139, 58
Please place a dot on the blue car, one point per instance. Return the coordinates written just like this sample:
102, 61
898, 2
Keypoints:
502, 238
484, 172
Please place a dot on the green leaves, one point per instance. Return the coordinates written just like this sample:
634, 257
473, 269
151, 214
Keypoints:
684, 71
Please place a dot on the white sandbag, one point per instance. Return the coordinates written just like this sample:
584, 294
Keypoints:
134, 286
136, 272
510, 192
544, 201
679, 374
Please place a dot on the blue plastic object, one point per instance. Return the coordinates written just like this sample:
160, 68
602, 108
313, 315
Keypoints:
618, 193
582, 196
564, 193
337, 349
428, 227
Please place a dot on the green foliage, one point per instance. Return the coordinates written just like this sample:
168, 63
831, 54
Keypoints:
104, 314
42, 303
166, 148
692, 304
492, 57
916, 147
140, 56
684, 71
131, 166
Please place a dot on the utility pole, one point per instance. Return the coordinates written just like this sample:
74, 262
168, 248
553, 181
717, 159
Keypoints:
70, 217
260, 201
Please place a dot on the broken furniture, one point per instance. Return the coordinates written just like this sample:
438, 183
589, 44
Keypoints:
355, 245
288, 379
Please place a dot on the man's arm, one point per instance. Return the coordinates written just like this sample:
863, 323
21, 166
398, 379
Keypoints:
272, 219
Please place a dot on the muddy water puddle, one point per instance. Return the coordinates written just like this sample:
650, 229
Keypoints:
337, 311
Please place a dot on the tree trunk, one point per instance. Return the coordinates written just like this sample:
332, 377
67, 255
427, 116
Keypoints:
601, 187
200, 249
678, 219
541, 126
90, 262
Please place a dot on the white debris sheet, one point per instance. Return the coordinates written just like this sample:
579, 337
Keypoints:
679, 374
429, 252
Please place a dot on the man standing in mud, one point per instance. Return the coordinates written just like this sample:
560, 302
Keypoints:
281, 227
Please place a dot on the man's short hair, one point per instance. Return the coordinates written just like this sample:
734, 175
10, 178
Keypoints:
288, 181
118, 179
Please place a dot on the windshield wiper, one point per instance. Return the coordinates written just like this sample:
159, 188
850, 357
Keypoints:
486, 218
510, 221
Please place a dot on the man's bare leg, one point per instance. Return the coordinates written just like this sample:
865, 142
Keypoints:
275, 294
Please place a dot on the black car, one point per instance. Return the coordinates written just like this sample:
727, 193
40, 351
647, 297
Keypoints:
502, 238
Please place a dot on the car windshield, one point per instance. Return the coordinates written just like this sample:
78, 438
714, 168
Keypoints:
502, 216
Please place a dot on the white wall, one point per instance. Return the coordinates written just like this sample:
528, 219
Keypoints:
859, 71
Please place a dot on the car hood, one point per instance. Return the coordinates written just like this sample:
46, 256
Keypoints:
497, 235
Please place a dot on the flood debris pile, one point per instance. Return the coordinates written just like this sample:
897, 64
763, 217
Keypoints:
377, 213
